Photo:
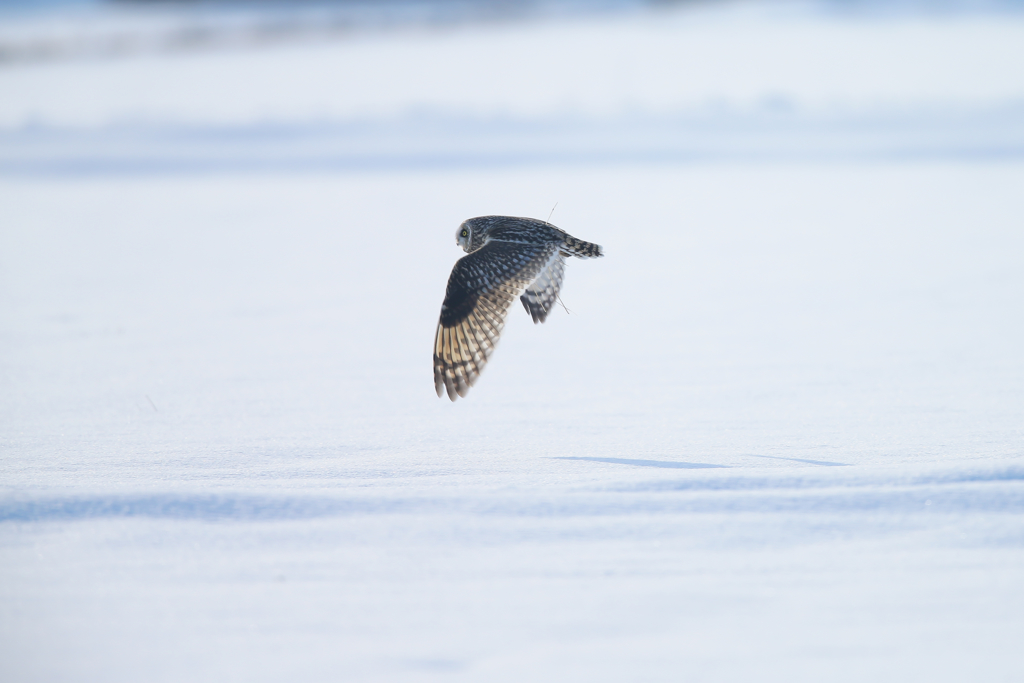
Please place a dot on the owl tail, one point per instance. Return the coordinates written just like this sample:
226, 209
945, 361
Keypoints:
581, 249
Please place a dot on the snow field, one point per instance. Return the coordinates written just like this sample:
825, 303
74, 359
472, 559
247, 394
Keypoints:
646, 488
777, 437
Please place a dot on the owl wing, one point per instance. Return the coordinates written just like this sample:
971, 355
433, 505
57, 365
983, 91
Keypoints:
542, 293
480, 290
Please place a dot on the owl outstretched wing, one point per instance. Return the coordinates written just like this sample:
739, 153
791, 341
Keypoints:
540, 296
481, 288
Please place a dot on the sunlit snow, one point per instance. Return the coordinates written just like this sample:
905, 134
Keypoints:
777, 433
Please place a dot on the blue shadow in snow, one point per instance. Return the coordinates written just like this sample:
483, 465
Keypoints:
201, 507
990, 490
823, 463
668, 464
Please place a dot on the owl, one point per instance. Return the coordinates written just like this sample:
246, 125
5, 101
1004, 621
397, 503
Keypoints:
507, 257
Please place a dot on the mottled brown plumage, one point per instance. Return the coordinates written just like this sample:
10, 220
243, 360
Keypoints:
507, 258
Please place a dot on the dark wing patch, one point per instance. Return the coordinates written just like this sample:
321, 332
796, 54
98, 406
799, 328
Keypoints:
480, 290
540, 296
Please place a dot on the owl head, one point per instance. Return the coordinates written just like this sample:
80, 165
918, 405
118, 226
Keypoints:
472, 234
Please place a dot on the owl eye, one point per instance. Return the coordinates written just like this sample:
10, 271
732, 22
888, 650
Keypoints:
465, 233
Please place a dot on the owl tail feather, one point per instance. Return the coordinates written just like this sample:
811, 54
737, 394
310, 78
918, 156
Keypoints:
581, 249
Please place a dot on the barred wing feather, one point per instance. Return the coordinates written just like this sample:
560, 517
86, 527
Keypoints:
540, 296
480, 291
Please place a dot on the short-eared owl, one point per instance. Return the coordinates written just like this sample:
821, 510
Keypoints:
508, 257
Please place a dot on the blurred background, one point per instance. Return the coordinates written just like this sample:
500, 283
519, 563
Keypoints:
137, 84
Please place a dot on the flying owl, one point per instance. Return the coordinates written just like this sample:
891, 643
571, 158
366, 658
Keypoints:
507, 257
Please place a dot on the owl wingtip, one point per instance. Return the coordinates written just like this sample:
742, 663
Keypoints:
449, 385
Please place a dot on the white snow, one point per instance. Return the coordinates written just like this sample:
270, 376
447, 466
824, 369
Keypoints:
779, 437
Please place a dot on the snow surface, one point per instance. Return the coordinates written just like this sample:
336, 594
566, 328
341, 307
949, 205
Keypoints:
778, 437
